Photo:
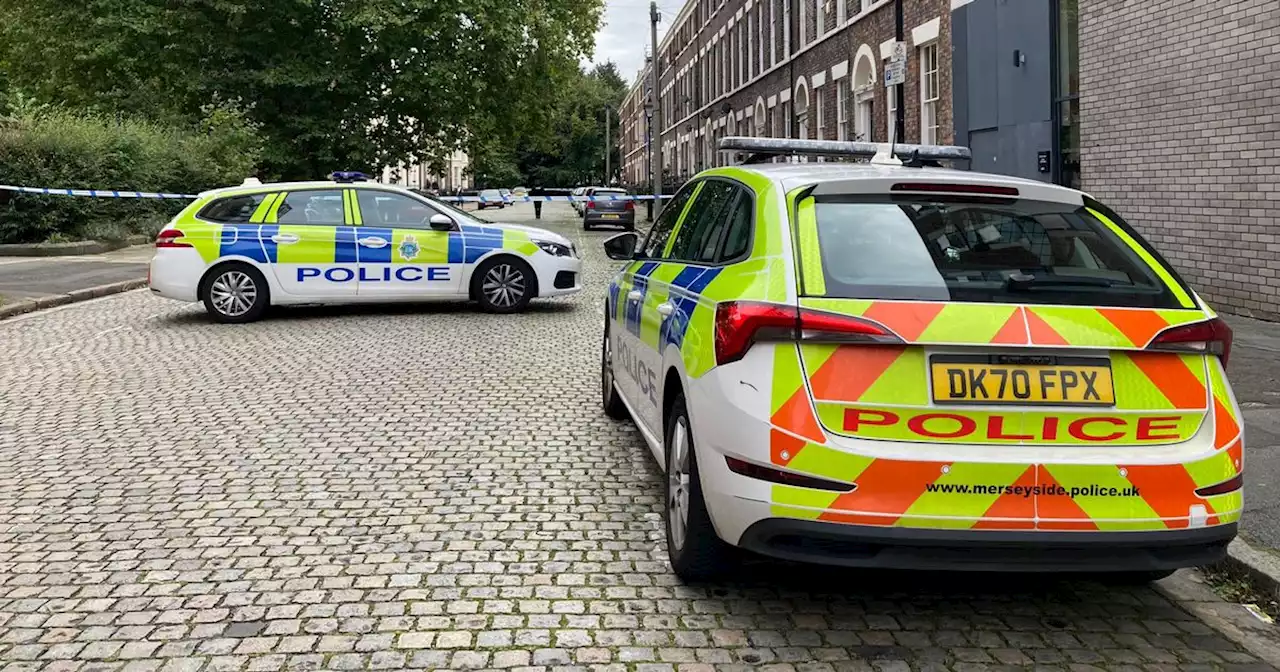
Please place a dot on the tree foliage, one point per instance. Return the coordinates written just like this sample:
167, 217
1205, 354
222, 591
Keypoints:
331, 83
570, 148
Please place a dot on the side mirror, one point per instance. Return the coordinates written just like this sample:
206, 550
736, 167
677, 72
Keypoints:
622, 247
440, 222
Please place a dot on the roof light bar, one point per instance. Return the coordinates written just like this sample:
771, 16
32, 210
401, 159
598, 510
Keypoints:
763, 148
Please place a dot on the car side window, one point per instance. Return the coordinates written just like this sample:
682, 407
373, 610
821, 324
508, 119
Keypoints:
232, 210
389, 209
738, 223
696, 240
320, 207
661, 230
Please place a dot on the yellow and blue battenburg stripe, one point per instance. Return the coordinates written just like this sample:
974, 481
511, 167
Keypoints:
687, 286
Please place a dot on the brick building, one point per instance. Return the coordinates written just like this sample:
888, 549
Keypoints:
787, 68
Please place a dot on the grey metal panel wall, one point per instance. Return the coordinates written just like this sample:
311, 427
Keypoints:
1004, 111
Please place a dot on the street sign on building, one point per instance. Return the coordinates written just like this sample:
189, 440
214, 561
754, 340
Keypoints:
895, 71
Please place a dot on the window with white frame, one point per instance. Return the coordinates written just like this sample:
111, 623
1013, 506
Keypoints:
804, 22
759, 117
802, 112
866, 4
819, 113
760, 33
744, 41
786, 119
842, 109
786, 28
891, 104
773, 33
750, 41
929, 94
842, 13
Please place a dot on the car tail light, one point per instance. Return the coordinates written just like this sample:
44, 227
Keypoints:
1212, 337
631, 205
763, 473
1231, 485
591, 205
171, 238
739, 324
943, 188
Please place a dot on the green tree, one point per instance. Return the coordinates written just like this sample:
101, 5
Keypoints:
331, 83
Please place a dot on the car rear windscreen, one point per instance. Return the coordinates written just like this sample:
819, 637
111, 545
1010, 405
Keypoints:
975, 250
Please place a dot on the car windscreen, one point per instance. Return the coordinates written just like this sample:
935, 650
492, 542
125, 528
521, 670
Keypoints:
975, 250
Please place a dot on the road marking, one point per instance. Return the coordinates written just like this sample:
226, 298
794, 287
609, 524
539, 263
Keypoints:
6, 262
43, 312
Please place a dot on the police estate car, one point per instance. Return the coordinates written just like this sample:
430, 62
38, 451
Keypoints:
892, 364
241, 249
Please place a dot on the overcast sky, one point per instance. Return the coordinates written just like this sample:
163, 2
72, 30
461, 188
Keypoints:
625, 34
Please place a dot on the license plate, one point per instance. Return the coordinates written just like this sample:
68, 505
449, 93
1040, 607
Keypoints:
1073, 381
608, 216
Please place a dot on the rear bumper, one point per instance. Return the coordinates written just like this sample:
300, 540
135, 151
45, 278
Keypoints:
626, 218
986, 551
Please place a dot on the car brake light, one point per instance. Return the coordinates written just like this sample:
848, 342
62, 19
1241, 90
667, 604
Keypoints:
1212, 337
171, 238
739, 324
763, 473
1230, 485
943, 188
631, 205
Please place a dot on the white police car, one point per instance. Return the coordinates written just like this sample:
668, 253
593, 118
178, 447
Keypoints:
241, 249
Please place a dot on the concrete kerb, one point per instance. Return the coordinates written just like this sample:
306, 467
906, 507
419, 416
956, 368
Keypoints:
78, 248
29, 305
1189, 590
1260, 568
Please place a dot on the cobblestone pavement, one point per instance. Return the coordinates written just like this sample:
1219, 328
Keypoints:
429, 487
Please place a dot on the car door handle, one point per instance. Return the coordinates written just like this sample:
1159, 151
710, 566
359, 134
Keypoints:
635, 295
373, 242
284, 239
665, 309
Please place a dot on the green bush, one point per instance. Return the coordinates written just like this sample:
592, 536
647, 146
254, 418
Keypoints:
50, 147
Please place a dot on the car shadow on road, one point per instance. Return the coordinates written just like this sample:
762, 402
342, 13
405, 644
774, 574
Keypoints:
315, 312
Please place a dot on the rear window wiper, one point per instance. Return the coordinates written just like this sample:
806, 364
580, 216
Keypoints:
1022, 282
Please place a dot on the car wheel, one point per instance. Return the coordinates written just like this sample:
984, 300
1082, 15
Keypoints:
696, 552
235, 293
585, 225
613, 406
504, 285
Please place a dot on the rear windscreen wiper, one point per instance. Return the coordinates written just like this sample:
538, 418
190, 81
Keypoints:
1025, 282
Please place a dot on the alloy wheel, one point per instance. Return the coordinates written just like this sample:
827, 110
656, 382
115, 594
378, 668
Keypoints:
504, 285
233, 293
678, 484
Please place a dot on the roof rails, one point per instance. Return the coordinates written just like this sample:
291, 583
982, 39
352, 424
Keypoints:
759, 150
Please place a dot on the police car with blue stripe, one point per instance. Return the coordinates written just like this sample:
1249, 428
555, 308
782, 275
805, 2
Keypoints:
347, 240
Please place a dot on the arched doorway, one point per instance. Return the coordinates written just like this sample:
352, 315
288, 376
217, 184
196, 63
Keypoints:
864, 94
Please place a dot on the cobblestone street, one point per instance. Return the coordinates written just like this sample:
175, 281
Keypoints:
431, 487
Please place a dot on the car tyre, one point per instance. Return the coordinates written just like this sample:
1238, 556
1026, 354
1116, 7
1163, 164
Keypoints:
611, 400
235, 293
503, 284
696, 552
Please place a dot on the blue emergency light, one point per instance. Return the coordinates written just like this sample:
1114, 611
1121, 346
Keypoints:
348, 176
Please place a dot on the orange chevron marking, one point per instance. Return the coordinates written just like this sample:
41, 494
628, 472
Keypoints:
1168, 489
1236, 453
780, 443
907, 320
1139, 326
1012, 506
796, 416
1014, 331
885, 487
1041, 332
1225, 428
852, 370
1175, 380
1056, 512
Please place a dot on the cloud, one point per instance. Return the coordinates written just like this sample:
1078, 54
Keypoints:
624, 37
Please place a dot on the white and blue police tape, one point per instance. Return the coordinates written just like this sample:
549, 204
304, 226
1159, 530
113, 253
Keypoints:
118, 193
94, 193
546, 199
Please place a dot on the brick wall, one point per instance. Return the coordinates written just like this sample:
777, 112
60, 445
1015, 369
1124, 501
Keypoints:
823, 56
1179, 134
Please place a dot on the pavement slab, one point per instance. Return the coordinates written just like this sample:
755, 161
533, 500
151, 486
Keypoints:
429, 487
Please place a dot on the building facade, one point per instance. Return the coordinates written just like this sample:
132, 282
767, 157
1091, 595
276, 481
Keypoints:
788, 68
1163, 110
455, 176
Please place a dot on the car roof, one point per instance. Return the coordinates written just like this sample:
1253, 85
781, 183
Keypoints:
797, 175
270, 187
